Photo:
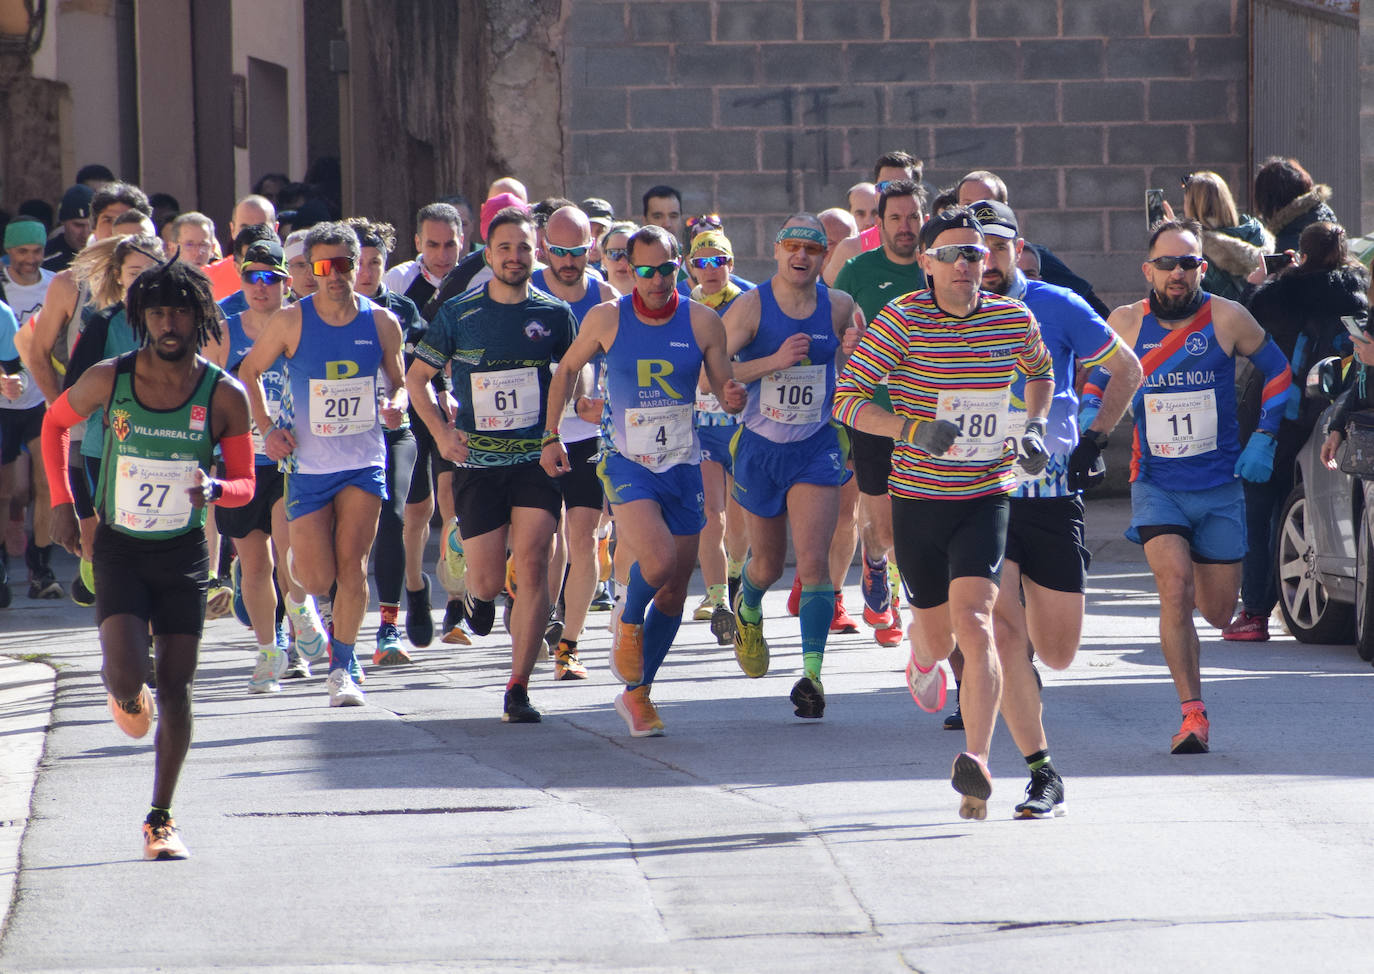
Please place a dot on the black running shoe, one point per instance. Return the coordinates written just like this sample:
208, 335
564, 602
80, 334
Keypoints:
1044, 795
518, 709
419, 617
552, 633
601, 598
481, 613
723, 626
955, 721
808, 698
732, 584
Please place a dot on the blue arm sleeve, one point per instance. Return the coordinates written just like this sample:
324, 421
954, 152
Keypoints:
1277, 381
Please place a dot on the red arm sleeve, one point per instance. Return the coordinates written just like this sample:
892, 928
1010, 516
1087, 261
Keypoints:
240, 479
57, 423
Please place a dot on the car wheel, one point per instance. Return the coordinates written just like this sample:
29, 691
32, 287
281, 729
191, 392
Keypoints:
1364, 592
1310, 614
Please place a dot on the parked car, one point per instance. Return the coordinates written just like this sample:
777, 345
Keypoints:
1325, 550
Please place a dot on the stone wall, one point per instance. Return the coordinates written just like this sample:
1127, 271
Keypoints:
758, 108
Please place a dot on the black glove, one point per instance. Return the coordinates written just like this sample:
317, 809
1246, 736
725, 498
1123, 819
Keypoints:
1083, 458
1033, 457
933, 436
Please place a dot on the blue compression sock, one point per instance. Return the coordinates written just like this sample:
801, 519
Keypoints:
817, 611
659, 632
751, 599
637, 595
340, 655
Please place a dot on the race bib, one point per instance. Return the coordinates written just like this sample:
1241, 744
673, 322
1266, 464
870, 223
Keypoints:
795, 396
505, 400
659, 436
339, 407
708, 404
982, 418
150, 495
1181, 424
1016, 428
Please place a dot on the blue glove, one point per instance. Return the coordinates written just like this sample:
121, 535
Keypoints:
1294, 402
1086, 417
1256, 462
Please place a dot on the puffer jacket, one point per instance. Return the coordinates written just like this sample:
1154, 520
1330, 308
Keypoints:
1288, 223
1232, 254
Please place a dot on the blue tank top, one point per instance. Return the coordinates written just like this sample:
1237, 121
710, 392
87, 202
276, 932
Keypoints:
1186, 436
329, 401
573, 428
651, 381
709, 410
794, 403
273, 378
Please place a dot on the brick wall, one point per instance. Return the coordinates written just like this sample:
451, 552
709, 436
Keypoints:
758, 108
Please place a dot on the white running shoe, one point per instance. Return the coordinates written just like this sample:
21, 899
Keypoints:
343, 692
928, 688
312, 642
268, 672
452, 568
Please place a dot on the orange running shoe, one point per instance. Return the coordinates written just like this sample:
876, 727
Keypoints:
134, 717
1192, 735
842, 622
627, 655
639, 713
567, 665
160, 838
604, 562
794, 598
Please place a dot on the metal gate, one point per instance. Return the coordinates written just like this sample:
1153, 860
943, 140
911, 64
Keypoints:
1305, 93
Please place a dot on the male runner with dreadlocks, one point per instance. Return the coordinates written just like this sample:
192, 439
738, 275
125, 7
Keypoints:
166, 409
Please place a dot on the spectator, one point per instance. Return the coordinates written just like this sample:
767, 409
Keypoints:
1288, 202
40, 210
74, 216
1234, 243
95, 177
270, 185
166, 208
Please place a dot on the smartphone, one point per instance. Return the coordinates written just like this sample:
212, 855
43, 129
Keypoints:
1352, 325
1273, 263
1154, 207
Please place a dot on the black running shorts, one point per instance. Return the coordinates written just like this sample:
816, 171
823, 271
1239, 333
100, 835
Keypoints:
484, 496
1045, 538
160, 581
936, 541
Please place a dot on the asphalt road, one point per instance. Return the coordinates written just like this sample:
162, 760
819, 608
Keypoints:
421, 833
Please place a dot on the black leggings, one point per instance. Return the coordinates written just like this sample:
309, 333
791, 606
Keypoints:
389, 549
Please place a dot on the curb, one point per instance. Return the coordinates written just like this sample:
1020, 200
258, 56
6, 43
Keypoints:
26, 702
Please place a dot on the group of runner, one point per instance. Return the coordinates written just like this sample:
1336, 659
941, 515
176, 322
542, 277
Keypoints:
926, 404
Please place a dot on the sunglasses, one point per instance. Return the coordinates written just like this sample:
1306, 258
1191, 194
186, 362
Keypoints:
667, 269
558, 251
706, 220
263, 277
323, 268
615, 253
701, 263
1189, 262
882, 186
950, 253
792, 245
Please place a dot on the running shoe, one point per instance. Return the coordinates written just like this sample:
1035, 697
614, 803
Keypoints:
268, 672
639, 713
81, 594
355, 670
133, 717
876, 591
389, 651
842, 622
160, 838
236, 582
723, 625
928, 687
480, 613
46, 586
343, 692
794, 598
1192, 735
452, 568
704, 610
627, 653
517, 709
1247, 627
567, 665
312, 642
1044, 795
553, 632
732, 585
892, 635
601, 598
808, 697
296, 668
751, 649
453, 624
419, 615
955, 721
614, 626
219, 600
970, 778
604, 562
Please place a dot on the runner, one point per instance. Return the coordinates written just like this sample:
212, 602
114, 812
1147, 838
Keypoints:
950, 355
499, 340
1187, 505
166, 409
1046, 561
656, 346
329, 434
790, 334
567, 245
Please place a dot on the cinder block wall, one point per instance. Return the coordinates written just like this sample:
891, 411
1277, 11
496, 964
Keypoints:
758, 108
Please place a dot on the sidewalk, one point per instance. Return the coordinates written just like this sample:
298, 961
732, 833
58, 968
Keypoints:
26, 699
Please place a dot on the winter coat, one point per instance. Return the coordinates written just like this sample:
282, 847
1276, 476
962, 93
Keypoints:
1288, 223
1232, 254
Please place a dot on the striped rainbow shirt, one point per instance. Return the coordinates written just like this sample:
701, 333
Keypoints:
923, 351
